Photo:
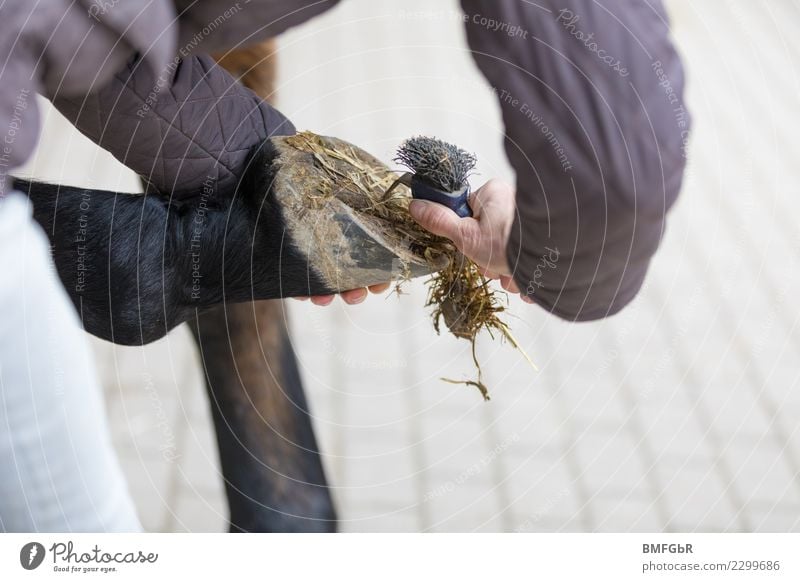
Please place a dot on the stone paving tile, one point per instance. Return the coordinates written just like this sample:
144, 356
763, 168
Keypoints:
199, 514
198, 464
696, 493
149, 484
774, 517
541, 489
470, 506
609, 460
675, 432
403, 522
762, 472
626, 514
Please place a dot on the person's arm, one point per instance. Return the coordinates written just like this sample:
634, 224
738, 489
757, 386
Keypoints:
184, 129
592, 99
191, 132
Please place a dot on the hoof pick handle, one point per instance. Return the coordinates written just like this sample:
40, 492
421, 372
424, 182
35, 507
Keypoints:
455, 201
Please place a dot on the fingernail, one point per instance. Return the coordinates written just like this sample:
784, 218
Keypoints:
359, 299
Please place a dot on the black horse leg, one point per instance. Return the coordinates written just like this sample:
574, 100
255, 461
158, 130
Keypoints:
273, 472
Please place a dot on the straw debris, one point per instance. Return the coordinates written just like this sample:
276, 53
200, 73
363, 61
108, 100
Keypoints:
458, 292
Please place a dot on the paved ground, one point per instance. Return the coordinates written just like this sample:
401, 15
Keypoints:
679, 414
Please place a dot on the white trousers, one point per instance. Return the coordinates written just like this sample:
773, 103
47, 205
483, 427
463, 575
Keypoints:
58, 469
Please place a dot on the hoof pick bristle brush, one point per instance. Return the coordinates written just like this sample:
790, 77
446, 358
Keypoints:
439, 172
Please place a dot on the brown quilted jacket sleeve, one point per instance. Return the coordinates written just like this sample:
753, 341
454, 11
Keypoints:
166, 123
179, 132
591, 97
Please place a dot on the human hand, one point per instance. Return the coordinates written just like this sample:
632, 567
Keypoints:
351, 297
482, 237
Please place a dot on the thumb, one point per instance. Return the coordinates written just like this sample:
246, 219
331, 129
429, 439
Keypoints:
436, 218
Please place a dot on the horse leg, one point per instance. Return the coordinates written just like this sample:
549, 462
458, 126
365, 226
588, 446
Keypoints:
255, 66
273, 473
270, 461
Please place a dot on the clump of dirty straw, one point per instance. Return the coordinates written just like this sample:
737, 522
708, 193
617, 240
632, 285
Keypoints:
459, 293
